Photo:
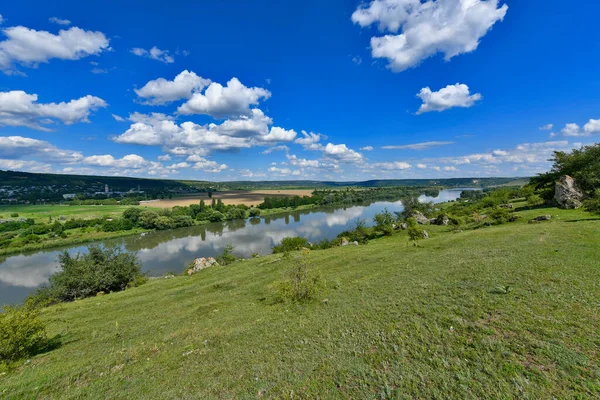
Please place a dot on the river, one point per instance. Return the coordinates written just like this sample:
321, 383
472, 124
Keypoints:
171, 251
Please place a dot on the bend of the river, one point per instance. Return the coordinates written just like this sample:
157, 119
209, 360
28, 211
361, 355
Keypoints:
171, 251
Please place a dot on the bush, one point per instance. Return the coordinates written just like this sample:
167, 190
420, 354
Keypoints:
500, 215
291, 244
22, 334
414, 232
84, 275
592, 205
303, 281
14, 215
534, 200
254, 212
227, 256
383, 222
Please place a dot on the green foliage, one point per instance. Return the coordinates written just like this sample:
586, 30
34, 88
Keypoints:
236, 213
383, 222
592, 205
291, 244
302, 282
83, 275
227, 257
415, 233
14, 215
582, 164
132, 214
22, 334
500, 215
534, 200
412, 205
254, 212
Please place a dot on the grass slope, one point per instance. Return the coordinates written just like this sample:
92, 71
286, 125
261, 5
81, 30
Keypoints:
400, 322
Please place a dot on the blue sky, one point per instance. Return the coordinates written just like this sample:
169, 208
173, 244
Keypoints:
263, 90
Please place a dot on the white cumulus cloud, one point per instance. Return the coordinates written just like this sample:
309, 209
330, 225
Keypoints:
450, 27
161, 91
451, 96
29, 47
220, 101
18, 108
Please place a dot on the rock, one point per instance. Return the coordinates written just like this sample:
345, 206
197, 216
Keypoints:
433, 221
62, 218
540, 218
425, 235
421, 219
507, 206
514, 217
441, 220
567, 193
355, 243
395, 227
404, 226
202, 263
344, 242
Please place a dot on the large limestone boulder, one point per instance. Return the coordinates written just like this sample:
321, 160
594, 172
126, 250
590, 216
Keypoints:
421, 219
202, 263
567, 193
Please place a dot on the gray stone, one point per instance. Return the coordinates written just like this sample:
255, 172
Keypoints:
540, 218
421, 219
425, 235
202, 263
404, 226
344, 242
567, 193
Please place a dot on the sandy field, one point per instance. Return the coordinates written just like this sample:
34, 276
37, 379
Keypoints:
249, 198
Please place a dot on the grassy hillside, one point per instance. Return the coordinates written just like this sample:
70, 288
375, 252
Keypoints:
433, 321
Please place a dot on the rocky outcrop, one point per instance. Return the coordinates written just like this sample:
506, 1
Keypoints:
567, 193
440, 220
425, 235
202, 263
421, 219
404, 226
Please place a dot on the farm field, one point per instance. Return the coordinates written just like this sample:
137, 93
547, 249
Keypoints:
42, 213
235, 197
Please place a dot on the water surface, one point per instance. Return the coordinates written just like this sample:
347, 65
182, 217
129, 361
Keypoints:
171, 251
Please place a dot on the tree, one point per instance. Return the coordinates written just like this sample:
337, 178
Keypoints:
582, 164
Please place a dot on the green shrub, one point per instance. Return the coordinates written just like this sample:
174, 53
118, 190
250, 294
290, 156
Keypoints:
415, 233
254, 212
534, 200
302, 282
291, 244
22, 334
101, 269
227, 256
14, 215
500, 215
592, 205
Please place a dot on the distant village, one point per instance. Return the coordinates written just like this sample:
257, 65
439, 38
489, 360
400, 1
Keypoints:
65, 193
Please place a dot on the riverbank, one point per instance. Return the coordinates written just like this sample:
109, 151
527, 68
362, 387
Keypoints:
509, 310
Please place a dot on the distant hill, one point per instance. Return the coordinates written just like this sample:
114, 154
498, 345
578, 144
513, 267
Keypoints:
27, 179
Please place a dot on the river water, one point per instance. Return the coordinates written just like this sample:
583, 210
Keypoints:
170, 251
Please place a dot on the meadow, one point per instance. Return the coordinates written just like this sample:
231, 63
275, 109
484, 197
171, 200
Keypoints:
507, 311
43, 213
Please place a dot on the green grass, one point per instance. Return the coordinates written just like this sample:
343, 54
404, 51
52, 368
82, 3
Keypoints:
44, 212
433, 321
